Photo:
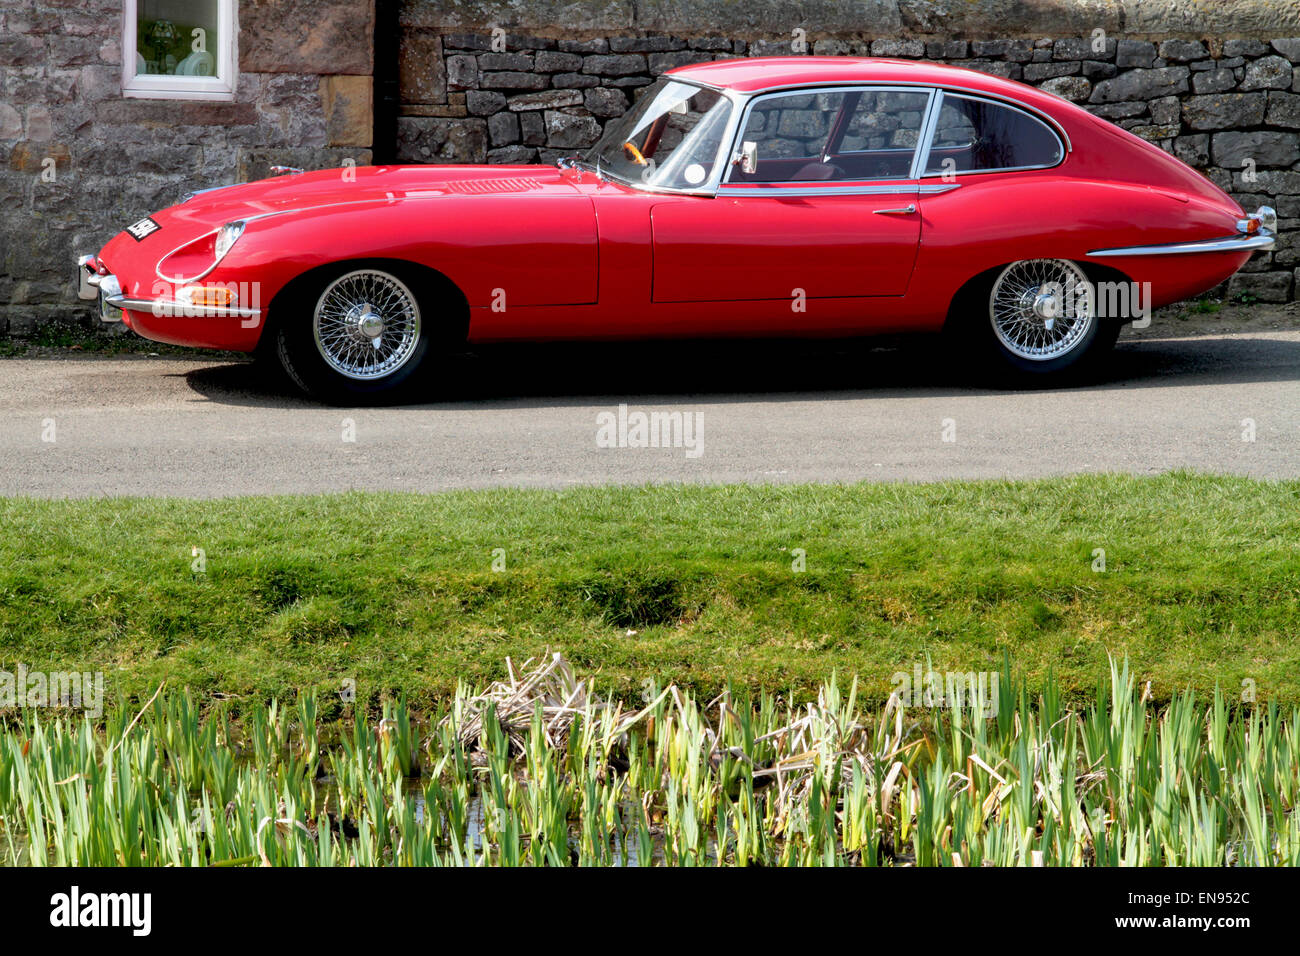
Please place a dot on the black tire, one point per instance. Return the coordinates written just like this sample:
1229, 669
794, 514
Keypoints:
992, 357
309, 321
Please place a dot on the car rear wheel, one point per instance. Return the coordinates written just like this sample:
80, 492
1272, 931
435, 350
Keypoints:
364, 339
1040, 323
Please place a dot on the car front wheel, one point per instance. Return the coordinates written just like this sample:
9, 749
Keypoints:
1040, 322
365, 337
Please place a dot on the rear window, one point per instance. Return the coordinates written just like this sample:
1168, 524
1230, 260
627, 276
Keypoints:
974, 135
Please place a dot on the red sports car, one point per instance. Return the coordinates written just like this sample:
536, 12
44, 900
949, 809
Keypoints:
800, 196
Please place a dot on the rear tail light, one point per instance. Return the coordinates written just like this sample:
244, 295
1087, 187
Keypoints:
1265, 217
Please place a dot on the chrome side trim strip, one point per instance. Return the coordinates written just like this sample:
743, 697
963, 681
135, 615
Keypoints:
1238, 243
174, 307
779, 191
802, 192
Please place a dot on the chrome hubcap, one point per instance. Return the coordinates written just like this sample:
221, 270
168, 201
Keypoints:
1041, 309
367, 324
370, 325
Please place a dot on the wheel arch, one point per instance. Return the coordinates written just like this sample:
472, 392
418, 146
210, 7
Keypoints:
428, 284
975, 289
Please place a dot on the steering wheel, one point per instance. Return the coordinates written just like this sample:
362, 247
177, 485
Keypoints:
634, 154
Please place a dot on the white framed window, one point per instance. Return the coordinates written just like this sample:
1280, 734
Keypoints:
179, 49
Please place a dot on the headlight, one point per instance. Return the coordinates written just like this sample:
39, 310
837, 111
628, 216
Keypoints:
227, 236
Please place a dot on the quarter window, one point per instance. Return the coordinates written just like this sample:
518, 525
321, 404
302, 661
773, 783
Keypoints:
845, 134
974, 135
179, 49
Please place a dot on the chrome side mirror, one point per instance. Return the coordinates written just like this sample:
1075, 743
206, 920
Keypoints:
748, 158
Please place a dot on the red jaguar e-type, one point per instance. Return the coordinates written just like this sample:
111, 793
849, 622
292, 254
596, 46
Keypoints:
801, 196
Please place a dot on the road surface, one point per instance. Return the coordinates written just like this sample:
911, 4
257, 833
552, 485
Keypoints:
195, 427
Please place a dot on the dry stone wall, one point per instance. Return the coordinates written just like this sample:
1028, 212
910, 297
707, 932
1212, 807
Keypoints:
1215, 84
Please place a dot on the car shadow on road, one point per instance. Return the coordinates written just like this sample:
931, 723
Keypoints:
557, 375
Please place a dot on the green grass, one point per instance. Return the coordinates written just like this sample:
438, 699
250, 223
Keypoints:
687, 584
95, 339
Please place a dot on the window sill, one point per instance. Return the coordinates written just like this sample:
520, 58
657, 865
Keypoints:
209, 96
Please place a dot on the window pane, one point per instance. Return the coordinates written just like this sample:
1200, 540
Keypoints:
176, 37
670, 137
972, 135
809, 137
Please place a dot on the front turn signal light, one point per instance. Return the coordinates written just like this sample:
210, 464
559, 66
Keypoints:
210, 295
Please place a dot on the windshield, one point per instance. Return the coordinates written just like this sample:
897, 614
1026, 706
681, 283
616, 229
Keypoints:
670, 137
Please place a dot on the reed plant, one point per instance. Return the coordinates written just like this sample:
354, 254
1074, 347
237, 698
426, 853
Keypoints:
539, 770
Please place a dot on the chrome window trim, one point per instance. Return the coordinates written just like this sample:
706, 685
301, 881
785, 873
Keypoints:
709, 186
1051, 128
954, 87
922, 155
834, 88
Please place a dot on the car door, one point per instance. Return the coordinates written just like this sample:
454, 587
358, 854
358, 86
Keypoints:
828, 208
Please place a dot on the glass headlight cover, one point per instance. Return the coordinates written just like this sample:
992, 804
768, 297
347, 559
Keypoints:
227, 236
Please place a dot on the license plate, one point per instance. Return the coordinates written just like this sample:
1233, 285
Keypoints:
143, 229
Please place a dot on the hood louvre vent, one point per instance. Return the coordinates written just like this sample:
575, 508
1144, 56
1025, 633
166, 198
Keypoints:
479, 186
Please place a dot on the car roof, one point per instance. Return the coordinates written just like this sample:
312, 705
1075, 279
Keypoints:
758, 74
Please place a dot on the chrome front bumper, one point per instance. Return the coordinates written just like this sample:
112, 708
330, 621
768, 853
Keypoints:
97, 282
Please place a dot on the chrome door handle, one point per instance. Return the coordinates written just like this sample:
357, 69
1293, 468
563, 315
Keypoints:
900, 211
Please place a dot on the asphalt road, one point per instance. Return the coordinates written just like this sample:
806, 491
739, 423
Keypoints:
141, 425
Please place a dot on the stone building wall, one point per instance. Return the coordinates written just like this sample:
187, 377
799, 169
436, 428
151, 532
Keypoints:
302, 98
526, 80
1217, 85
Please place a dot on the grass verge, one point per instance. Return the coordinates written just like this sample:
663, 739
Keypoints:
694, 585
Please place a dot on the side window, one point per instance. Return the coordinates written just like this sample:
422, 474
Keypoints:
178, 49
974, 135
793, 126
884, 120
811, 137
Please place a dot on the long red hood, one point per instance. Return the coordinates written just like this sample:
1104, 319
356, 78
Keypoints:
332, 187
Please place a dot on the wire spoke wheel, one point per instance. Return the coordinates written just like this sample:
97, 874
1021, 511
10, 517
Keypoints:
1042, 309
366, 324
